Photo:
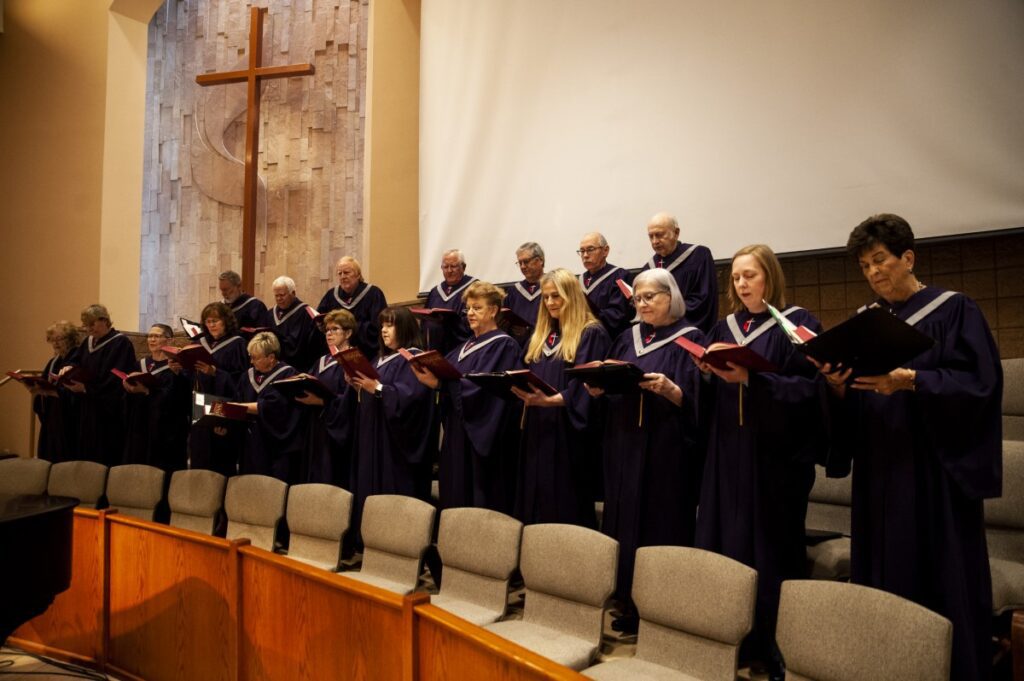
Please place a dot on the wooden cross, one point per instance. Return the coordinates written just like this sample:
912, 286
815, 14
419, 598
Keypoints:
253, 77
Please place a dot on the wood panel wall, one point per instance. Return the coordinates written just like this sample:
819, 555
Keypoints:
310, 160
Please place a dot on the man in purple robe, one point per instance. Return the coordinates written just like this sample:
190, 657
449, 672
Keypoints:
443, 336
301, 341
611, 306
523, 297
249, 311
364, 301
690, 264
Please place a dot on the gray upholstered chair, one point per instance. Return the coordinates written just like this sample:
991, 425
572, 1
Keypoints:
135, 490
848, 632
396, 532
1004, 522
196, 498
318, 517
569, 573
255, 507
695, 609
1013, 399
479, 549
828, 509
84, 480
24, 476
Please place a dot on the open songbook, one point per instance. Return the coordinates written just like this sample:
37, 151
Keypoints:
137, 378
435, 362
719, 355
438, 314
192, 329
211, 411
500, 383
507, 319
297, 386
34, 379
189, 355
626, 289
353, 361
611, 375
872, 343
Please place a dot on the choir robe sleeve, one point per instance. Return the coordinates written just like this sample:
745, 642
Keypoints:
368, 330
594, 346
408, 408
699, 284
338, 416
483, 413
613, 308
328, 302
279, 416
120, 354
231, 363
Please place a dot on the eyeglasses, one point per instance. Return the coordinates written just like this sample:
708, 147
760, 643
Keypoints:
452, 267
647, 297
588, 250
333, 329
526, 261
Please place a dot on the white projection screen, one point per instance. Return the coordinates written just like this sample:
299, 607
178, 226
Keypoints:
784, 122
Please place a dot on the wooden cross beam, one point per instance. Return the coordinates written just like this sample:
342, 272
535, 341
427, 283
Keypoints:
253, 76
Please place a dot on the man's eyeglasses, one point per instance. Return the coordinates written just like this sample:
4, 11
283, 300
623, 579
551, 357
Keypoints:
588, 250
450, 267
526, 261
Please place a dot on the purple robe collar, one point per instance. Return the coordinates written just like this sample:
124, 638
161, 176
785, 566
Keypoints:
923, 312
448, 296
737, 333
258, 387
521, 287
150, 367
638, 339
594, 283
111, 335
677, 262
217, 345
247, 299
279, 319
474, 344
326, 362
356, 299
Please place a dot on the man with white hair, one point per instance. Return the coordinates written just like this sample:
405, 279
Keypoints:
250, 312
692, 267
301, 342
443, 336
523, 297
364, 301
612, 307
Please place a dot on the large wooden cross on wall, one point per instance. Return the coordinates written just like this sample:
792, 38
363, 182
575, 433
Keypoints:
253, 76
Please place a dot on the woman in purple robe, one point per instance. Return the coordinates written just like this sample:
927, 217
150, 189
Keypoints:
395, 425
927, 442
101, 397
766, 432
217, 449
477, 463
274, 440
553, 458
58, 413
158, 417
328, 456
651, 460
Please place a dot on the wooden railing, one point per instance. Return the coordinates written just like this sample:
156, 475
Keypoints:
151, 602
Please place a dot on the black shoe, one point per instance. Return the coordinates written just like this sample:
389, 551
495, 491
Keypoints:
626, 624
775, 667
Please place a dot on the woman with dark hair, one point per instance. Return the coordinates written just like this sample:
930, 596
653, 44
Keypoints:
328, 456
927, 442
765, 435
217, 449
58, 413
553, 458
394, 419
157, 418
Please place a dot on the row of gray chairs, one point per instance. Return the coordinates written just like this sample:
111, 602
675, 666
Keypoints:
135, 489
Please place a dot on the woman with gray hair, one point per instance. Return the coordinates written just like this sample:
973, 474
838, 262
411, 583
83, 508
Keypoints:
651, 459
58, 415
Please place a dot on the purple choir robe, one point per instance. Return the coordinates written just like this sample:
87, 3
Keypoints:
694, 271
207, 448
329, 444
101, 413
477, 463
444, 337
523, 298
395, 432
554, 480
58, 416
301, 341
651, 460
611, 307
760, 459
250, 312
924, 462
274, 442
365, 303
158, 423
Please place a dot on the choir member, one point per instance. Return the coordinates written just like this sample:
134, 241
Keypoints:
690, 264
217, 449
766, 433
448, 295
477, 463
926, 439
554, 481
613, 309
651, 461
364, 301
523, 299
250, 311
58, 414
328, 456
395, 427
157, 418
101, 397
301, 341
274, 440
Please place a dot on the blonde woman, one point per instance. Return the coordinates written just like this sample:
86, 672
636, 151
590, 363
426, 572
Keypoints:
555, 458
58, 416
